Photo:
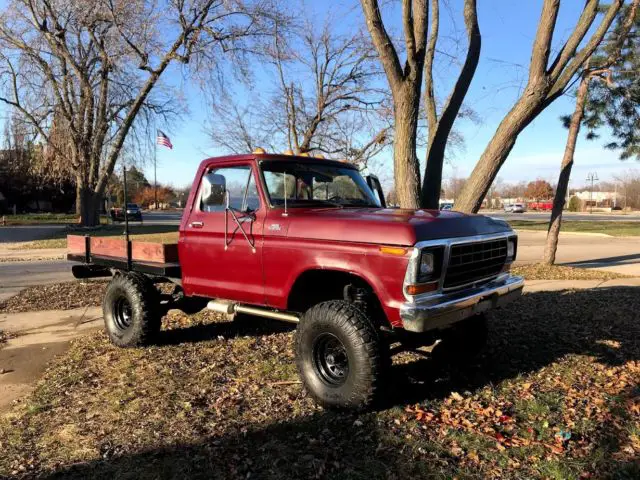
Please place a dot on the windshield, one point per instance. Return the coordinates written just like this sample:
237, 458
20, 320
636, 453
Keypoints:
312, 184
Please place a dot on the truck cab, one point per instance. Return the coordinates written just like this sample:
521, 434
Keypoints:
310, 241
286, 232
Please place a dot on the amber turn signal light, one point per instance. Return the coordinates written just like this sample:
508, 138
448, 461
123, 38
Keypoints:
422, 288
393, 250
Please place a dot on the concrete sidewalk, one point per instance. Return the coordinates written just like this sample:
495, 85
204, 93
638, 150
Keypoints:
37, 338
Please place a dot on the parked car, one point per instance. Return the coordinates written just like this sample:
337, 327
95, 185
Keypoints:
309, 241
133, 212
446, 206
515, 208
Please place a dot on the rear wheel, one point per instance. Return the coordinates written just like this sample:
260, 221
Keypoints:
131, 309
340, 356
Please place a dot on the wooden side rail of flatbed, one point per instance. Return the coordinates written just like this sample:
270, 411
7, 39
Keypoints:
100, 254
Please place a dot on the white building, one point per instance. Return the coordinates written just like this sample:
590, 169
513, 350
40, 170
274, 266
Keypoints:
606, 199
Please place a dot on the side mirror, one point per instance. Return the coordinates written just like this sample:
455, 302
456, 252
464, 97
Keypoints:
376, 188
214, 188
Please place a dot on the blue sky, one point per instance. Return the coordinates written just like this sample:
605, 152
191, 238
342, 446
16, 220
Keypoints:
508, 28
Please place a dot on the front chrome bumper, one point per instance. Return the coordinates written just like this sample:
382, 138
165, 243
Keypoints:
440, 311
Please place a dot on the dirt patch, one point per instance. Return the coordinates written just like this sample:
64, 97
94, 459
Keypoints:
539, 271
61, 296
556, 395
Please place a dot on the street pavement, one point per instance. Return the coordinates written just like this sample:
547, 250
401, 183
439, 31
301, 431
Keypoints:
15, 276
28, 233
570, 216
617, 254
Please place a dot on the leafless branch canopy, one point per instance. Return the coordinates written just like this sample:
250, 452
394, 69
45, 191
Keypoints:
93, 67
324, 99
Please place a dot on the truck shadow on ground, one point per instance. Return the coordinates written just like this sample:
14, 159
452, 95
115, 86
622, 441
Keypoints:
526, 336
606, 261
530, 334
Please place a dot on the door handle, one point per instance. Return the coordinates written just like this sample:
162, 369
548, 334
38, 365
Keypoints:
196, 224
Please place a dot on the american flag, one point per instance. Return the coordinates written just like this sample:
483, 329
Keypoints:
163, 140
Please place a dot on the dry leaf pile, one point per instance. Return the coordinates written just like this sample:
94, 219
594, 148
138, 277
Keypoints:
539, 271
61, 296
555, 395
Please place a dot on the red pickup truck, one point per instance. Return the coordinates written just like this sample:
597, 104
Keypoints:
309, 241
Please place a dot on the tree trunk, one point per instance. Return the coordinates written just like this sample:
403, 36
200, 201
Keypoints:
88, 203
565, 173
405, 159
78, 198
432, 185
439, 130
498, 149
89, 208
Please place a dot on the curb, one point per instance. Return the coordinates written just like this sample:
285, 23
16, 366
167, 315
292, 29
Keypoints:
585, 234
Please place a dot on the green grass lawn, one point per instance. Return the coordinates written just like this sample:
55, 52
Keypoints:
617, 229
45, 218
149, 233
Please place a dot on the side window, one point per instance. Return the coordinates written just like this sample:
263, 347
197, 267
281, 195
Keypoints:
240, 185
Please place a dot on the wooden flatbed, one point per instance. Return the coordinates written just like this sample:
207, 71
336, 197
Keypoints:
99, 254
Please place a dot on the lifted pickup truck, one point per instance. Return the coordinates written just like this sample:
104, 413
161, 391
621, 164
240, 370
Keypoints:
309, 241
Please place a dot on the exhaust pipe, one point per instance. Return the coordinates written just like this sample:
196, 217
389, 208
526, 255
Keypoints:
229, 308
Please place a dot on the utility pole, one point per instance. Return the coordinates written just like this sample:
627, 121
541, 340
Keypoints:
591, 177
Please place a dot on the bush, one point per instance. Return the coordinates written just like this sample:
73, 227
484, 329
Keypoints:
575, 204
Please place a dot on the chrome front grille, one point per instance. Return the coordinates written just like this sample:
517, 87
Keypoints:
475, 262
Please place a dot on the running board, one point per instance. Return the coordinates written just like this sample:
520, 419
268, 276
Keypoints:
229, 308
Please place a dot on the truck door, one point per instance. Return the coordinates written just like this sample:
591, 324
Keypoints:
221, 255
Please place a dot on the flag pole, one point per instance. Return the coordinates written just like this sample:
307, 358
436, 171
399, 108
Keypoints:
155, 171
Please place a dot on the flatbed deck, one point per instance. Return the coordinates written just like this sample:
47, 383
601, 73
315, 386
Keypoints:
150, 258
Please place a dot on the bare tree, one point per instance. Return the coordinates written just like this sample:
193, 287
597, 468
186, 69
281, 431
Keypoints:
601, 71
94, 64
547, 82
405, 82
324, 100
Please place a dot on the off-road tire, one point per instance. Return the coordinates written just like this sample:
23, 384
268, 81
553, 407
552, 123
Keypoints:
135, 294
464, 341
359, 387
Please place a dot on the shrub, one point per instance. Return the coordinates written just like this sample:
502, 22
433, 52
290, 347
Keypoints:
575, 204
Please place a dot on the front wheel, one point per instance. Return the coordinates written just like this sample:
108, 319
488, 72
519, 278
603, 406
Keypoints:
340, 356
131, 309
